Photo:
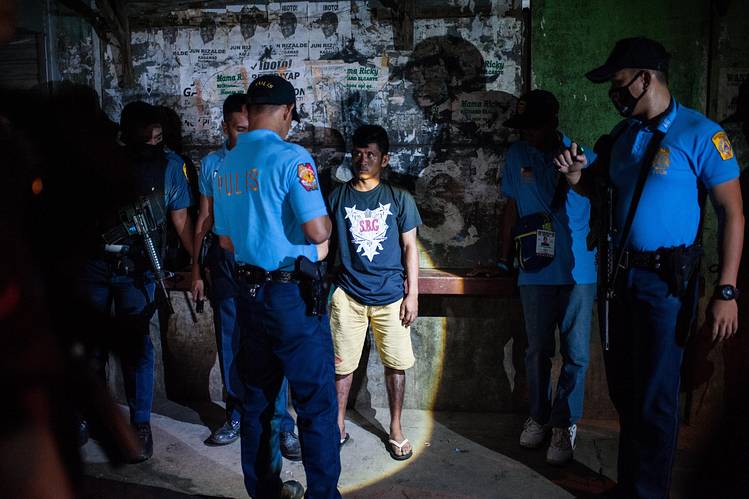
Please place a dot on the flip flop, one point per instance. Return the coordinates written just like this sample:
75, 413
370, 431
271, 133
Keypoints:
344, 440
399, 457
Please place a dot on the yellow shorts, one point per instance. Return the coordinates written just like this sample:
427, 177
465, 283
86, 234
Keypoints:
348, 323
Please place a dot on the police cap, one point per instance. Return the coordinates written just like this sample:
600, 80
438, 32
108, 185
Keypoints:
272, 89
638, 53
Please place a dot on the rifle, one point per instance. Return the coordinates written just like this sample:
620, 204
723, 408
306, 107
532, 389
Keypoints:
205, 246
140, 219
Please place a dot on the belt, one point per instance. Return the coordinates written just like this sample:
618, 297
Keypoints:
649, 260
257, 275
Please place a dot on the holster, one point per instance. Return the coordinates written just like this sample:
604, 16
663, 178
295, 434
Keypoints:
313, 285
680, 267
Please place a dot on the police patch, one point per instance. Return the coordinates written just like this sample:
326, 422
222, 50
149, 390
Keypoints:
184, 171
306, 175
723, 145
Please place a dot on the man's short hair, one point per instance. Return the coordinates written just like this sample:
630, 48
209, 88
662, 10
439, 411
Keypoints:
288, 17
135, 118
372, 134
234, 104
329, 17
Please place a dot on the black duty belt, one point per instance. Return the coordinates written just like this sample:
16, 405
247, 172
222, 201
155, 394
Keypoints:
257, 275
649, 260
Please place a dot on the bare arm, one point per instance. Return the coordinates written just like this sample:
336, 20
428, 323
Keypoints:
183, 226
202, 226
723, 315
410, 305
571, 162
317, 230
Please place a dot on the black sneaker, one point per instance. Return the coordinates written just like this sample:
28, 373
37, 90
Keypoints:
143, 431
292, 489
224, 435
290, 448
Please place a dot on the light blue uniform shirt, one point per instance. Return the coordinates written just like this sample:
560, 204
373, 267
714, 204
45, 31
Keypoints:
264, 190
530, 178
209, 169
694, 149
177, 193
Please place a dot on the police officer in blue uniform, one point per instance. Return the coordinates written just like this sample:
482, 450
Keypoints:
120, 272
220, 264
268, 210
654, 293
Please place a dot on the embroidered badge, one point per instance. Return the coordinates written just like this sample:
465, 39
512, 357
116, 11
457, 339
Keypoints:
184, 171
307, 178
662, 161
723, 145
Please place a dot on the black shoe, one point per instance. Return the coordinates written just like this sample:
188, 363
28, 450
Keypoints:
292, 489
143, 431
290, 448
224, 435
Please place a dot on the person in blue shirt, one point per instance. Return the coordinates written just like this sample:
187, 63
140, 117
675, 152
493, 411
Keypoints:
268, 211
377, 284
655, 292
220, 264
559, 294
122, 273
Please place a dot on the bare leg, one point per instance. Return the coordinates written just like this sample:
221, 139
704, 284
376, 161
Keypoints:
395, 381
342, 388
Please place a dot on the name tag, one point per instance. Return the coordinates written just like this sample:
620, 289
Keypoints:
545, 240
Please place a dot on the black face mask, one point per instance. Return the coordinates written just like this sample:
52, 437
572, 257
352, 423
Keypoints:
623, 100
147, 152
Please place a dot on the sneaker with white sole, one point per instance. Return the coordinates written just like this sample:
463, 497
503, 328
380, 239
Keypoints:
533, 434
562, 445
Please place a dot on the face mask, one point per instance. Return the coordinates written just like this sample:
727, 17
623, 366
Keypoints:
147, 151
623, 100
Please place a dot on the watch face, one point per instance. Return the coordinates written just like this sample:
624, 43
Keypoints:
727, 292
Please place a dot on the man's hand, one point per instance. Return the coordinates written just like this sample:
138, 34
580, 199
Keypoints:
571, 163
198, 290
409, 309
723, 320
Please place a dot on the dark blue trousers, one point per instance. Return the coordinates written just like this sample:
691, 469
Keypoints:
223, 292
277, 339
133, 299
643, 368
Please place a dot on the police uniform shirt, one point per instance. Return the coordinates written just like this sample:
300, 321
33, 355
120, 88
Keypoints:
530, 178
209, 169
264, 190
176, 188
694, 149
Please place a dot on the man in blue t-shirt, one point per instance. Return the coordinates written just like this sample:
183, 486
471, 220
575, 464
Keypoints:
375, 226
269, 212
220, 264
559, 294
657, 287
121, 272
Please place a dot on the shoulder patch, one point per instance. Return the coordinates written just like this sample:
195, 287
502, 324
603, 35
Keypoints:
723, 145
306, 175
184, 171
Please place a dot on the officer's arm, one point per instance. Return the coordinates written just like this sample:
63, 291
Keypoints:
573, 163
727, 200
202, 226
318, 229
183, 225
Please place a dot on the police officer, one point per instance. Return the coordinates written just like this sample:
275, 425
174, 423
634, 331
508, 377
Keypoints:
122, 273
269, 211
220, 264
654, 292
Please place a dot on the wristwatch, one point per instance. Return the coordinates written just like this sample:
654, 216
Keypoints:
726, 292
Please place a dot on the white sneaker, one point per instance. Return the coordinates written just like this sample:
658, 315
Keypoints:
533, 434
562, 445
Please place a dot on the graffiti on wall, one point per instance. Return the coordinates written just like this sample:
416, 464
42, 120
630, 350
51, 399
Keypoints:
442, 102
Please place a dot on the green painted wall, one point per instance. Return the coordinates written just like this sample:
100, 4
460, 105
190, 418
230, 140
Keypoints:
570, 37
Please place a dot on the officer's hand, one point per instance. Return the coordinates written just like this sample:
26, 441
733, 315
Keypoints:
409, 309
723, 319
198, 292
571, 162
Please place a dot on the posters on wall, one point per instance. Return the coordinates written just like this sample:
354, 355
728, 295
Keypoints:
730, 81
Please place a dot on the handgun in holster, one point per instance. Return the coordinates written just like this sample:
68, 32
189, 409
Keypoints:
313, 284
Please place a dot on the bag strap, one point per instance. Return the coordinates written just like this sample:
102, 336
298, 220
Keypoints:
560, 193
647, 162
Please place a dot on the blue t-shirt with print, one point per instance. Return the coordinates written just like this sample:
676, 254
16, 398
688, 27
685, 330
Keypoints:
530, 178
177, 193
263, 192
209, 169
693, 149
368, 227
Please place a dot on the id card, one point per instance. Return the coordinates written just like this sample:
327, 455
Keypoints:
545, 242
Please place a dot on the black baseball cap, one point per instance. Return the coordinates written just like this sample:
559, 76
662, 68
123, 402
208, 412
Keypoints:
272, 89
638, 53
534, 110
